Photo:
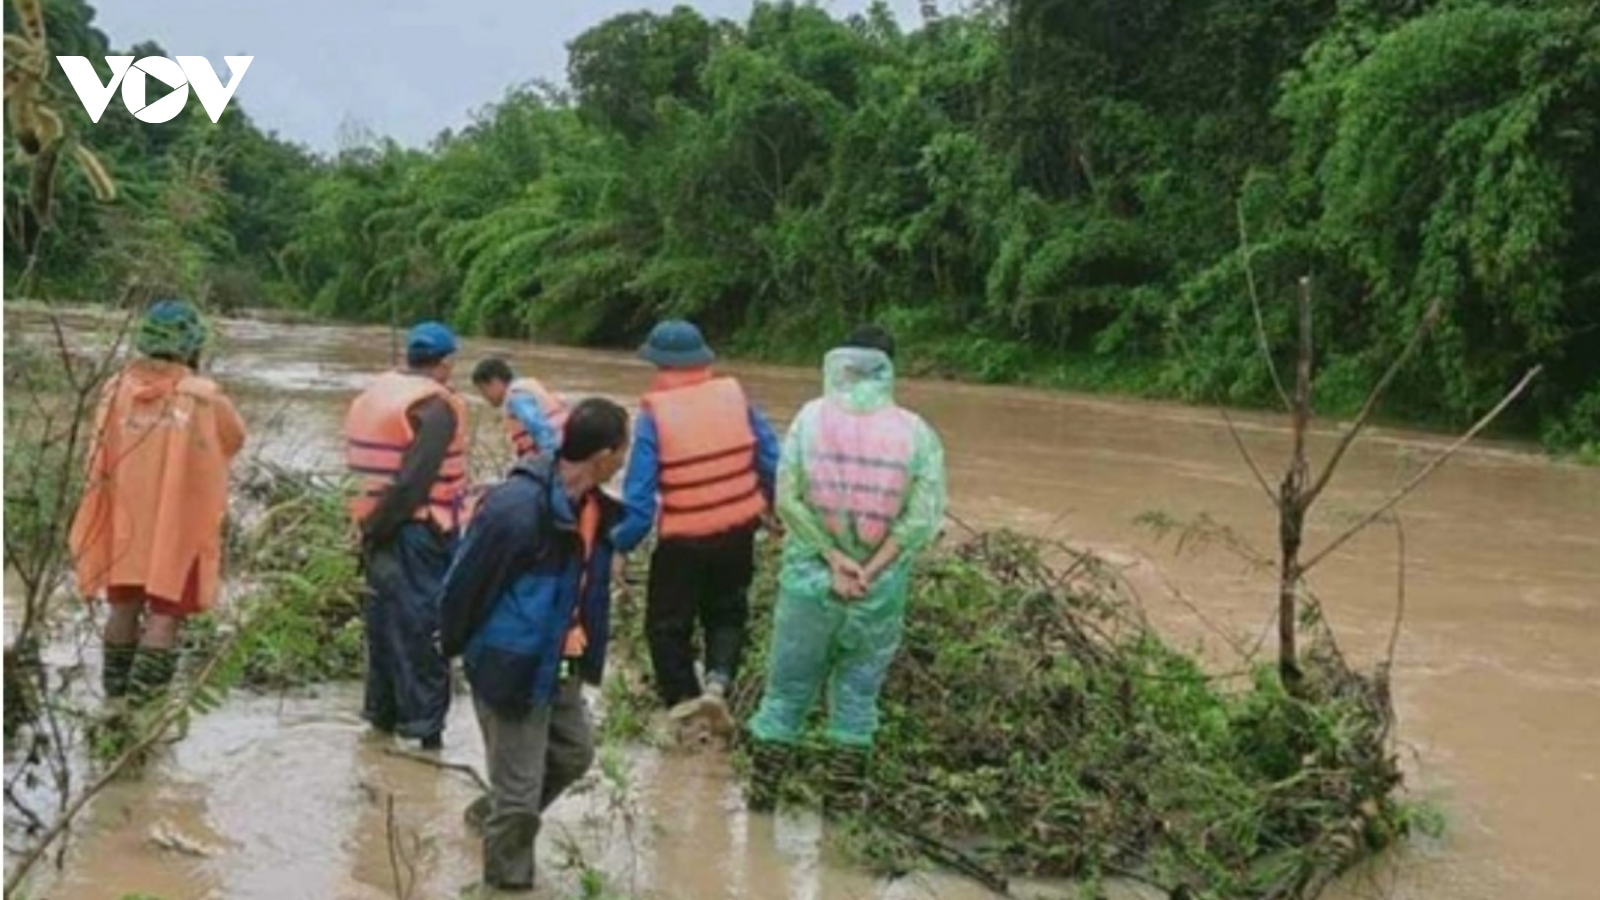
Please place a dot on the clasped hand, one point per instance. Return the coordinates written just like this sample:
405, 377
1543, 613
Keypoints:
850, 579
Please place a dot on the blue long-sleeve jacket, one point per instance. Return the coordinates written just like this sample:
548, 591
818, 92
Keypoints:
641, 486
526, 409
509, 596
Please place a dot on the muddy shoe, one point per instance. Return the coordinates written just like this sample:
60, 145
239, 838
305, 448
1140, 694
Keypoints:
688, 709
477, 813
714, 710
692, 732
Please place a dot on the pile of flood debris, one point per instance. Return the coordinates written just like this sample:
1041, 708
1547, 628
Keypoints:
1034, 724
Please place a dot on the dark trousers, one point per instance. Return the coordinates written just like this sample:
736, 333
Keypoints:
704, 579
408, 681
533, 757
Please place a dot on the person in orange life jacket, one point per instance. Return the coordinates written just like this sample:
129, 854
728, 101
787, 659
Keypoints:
706, 459
406, 438
526, 603
533, 415
147, 533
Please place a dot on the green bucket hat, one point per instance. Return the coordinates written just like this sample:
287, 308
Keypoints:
171, 328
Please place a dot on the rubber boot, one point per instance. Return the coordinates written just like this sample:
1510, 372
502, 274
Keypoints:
153, 670
846, 789
116, 668
768, 763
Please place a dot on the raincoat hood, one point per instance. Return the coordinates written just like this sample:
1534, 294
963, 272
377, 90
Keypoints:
860, 379
170, 328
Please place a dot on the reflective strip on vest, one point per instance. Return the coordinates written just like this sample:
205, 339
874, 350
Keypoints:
858, 468
551, 405
377, 434
707, 459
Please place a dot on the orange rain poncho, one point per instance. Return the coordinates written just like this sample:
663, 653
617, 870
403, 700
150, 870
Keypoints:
157, 486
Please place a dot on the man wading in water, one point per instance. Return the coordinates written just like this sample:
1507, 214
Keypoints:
705, 459
527, 602
406, 441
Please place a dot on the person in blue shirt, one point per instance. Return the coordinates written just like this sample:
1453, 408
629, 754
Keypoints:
527, 604
533, 415
701, 474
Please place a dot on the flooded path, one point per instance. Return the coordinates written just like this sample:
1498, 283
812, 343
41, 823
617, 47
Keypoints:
1497, 678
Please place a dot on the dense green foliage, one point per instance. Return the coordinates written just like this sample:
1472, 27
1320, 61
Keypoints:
1042, 190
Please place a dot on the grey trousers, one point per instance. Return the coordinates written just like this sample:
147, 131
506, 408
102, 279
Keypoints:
532, 759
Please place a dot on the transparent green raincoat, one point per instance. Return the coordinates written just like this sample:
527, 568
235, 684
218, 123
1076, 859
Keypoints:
855, 470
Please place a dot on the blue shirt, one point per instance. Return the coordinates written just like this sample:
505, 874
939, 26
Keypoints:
527, 411
641, 486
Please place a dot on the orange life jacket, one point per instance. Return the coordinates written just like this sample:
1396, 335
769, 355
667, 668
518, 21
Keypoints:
551, 405
577, 640
708, 481
858, 469
377, 434
156, 491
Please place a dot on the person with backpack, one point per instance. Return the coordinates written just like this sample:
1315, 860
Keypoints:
527, 604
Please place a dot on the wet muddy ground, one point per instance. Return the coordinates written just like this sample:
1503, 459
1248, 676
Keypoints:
1497, 675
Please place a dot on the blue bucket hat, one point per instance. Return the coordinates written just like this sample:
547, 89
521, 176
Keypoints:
170, 328
676, 344
430, 341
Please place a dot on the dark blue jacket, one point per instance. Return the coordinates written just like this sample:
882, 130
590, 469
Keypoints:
508, 598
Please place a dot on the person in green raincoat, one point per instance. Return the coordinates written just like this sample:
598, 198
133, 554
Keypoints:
861, 491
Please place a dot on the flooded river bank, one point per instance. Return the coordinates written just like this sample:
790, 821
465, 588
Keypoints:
1497, 677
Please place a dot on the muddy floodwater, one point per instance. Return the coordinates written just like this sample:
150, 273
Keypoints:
1497, 677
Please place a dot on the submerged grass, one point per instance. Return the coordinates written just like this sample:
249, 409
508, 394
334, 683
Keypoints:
299, 588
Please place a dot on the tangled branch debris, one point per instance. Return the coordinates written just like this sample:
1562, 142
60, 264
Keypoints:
1035, 725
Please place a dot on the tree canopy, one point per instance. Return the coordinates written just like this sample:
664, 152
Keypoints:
1067, 192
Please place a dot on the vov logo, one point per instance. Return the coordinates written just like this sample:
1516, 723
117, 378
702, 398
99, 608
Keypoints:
187, 72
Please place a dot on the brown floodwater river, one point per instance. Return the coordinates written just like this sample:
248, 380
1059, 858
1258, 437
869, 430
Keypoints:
1497, 676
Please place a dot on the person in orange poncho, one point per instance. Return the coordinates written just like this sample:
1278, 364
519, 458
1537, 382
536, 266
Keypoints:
148, 532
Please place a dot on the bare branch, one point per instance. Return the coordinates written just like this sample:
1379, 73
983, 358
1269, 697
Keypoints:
1255, 307
1429, 319
1400, 592
463, 768
391, 830
1427, 470
1255, 469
